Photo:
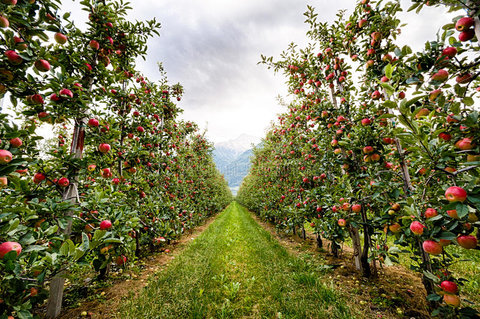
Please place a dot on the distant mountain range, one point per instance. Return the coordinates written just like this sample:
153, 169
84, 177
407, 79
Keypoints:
233, 159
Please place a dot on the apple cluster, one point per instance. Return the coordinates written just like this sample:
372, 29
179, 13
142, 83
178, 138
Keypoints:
379, 142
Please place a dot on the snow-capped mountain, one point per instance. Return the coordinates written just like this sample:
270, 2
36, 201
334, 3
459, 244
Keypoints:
233, 158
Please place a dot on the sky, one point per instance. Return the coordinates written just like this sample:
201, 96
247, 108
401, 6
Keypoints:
212, 48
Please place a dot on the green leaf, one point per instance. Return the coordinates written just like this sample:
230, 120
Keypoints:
13, 225
406, 50
468, 101
113, 240
431, 276
388, 88
434, 297
388, 71
447, 235
64, 249
414, 100
388, 262
85, 243
99, 234
390, 104
79, 253
386, 116
34, 248
462, 210
394, 250
24, 314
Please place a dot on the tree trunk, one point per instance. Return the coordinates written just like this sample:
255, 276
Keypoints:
54, 304
319, 241
426, 264
366, 245
357, 247
304, 234
137, 244
334, 247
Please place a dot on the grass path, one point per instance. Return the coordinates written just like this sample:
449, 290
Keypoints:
235, 269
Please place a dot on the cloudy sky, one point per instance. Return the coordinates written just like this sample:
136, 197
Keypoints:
212, 47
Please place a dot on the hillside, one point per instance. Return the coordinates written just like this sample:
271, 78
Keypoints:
233, 159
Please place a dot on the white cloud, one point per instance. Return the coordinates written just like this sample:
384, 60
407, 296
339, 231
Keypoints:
212, 47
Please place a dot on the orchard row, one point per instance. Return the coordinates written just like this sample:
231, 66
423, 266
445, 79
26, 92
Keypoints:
120, 175
380, 142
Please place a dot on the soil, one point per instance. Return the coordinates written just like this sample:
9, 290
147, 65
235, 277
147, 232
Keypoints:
395, 292
111, 297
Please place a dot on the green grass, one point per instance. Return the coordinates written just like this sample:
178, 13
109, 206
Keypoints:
235, 269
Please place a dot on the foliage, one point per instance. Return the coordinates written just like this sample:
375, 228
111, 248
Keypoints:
374, 137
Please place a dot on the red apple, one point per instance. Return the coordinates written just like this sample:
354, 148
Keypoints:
366, 121
466, 35
430, 212
395, 228
455, 194
451, 300
93, 123
4, 23
342, 222
140, 129
362, 22
465, 144
356, 208
13, 57
450, 52
434, 94
66, 93
453, 213
3, 181
387, 58
467, 241
376, 35
60, 38
16, 142
8, 246
105, 224
38, 177
368, 149
94, 44
464, 23
63, 182
417, 228
451, 119
10, 2
464, 78
104, 148
106, 173
432, 247
42, 65
5, 157
445, 136
20, 43
121, 260
440, 76
376, 95
37, 99
449, 287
